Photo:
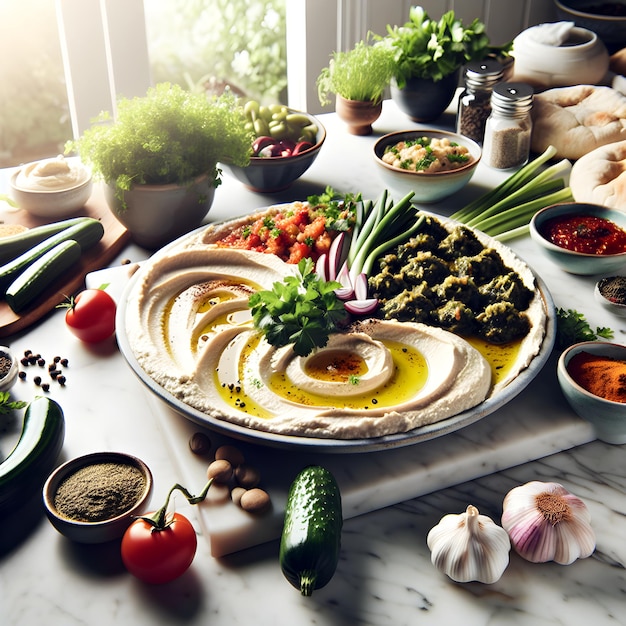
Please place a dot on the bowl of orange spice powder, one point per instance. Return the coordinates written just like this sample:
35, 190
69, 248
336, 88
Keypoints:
592, 376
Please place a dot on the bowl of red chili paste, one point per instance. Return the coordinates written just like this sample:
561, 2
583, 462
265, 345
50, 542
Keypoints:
592, 376
581, 238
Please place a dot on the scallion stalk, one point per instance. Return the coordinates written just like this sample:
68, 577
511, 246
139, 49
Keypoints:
515, 181
512, 204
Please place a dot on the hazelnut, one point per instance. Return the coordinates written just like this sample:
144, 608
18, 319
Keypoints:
231, 454
199, 443
247, 476
221, 471
255, 501
236, 494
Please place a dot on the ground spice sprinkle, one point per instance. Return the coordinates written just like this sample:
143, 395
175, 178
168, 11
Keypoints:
602, 376
99, 492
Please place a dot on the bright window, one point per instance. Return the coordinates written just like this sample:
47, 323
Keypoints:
196, 43
34, 115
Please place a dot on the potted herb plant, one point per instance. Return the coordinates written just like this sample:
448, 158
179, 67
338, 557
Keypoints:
358, 77
159, 158
428, 56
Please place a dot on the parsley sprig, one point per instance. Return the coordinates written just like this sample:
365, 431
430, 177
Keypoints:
7, 404
302, 310
572, 327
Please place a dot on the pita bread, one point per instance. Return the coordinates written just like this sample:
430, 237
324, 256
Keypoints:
577, 120
599, 177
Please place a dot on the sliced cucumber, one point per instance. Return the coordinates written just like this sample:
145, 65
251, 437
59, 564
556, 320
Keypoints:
11, 247
37, 276
87, 233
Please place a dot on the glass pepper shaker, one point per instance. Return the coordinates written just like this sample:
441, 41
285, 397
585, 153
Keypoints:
508, 129
475, 101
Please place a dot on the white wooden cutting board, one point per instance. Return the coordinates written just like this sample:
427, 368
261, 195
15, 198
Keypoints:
535, 424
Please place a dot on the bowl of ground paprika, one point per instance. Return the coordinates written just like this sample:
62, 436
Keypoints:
592, 376
94, 498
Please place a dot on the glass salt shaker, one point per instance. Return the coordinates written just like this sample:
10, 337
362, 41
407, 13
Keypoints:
475, 101
508, 129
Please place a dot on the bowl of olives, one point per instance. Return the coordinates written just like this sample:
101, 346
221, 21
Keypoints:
286, 144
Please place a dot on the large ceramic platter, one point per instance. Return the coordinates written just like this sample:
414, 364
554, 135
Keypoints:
494, 401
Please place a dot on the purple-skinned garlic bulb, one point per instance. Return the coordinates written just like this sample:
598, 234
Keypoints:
545, 522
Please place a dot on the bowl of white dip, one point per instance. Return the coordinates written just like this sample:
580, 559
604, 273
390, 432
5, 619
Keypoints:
51, 188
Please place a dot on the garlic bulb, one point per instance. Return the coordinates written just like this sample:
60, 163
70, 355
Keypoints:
545, 522
469, 546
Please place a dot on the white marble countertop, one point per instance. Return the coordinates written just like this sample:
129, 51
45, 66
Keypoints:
384, 575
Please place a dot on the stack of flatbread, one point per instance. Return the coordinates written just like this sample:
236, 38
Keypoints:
586, 124
577, 120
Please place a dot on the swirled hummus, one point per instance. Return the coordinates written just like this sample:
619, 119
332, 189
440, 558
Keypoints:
190, 329
51, 175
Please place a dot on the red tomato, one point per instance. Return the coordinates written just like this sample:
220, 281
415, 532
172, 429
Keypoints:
159, 556
91, 315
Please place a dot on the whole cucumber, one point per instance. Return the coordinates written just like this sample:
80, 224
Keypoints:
311, 538
25, 470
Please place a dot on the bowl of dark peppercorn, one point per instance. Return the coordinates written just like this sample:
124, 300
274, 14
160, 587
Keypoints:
9, 369
610, 292
93, 498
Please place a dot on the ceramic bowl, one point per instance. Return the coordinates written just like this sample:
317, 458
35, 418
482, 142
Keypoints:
154, 215
108, 529
600, 294
607, 417
428, 188
270, 174
610, 28
50, 203
578, 262
10, 369
581, 59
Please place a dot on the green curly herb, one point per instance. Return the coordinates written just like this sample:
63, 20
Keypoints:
572, 327
302, 310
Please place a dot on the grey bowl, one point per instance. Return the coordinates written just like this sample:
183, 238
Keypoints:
273, 174
101, 531
578, 262
608, 418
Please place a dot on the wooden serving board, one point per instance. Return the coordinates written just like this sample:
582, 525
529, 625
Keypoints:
114, 239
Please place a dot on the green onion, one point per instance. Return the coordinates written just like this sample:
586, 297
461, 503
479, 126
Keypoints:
511, 205
386, 222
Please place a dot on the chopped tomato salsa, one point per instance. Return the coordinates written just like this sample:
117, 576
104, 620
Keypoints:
298, 231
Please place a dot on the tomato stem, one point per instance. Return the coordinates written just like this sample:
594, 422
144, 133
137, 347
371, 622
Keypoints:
159, 521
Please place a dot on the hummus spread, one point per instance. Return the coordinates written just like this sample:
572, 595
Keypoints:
51, 175
189, 326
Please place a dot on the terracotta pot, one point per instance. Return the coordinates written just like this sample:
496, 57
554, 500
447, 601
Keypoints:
157, 214
358, 115
423, 99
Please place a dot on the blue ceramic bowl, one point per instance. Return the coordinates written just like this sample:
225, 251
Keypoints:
578, 262
428, 187
607, 417
277, 173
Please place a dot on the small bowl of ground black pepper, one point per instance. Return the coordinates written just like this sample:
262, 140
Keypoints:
9, 369
93, 498
592, 376
610, 292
